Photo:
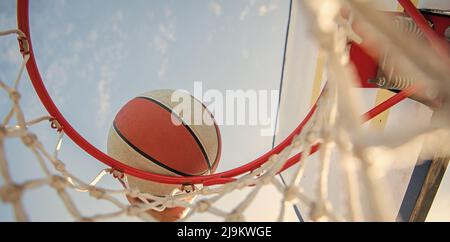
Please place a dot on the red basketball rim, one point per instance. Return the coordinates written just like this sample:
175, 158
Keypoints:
213, 179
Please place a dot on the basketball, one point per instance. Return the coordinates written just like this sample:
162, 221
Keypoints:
153, 134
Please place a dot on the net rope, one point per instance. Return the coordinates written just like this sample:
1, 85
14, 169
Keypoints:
334, 126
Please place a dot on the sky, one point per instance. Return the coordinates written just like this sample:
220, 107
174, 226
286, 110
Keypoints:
94, 56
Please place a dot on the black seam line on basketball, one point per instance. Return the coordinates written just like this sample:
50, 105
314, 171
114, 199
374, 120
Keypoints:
184, 125
217, 131
210, 166
199, 143
147, 156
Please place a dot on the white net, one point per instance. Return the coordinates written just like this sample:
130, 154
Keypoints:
334, 125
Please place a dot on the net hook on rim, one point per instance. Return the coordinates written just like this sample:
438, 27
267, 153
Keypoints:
24, 46
54, 124
188, 188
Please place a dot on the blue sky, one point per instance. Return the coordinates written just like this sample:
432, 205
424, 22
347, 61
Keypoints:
96, 55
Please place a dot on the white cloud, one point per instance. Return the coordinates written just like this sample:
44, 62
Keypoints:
107, 61
215, 8
163, 68
56, 76
264, 9
247, 8
110, 60
245, 54
168, 31
104, 97
160, 45
161, 42
244, 12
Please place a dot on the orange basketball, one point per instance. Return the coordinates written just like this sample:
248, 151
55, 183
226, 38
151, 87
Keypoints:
152, 134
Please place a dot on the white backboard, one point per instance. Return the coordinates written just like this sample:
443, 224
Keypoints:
304, 77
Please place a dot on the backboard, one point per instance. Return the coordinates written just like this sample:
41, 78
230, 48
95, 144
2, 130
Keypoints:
303, 79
